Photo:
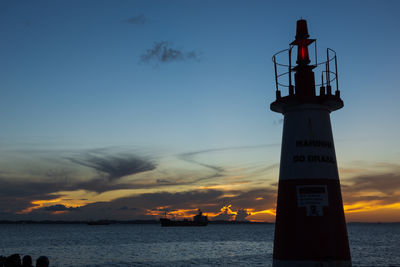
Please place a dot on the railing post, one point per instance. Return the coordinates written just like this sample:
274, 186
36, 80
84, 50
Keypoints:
276, 75
316, 57
291, 88
337, 79
328, 78
290, 67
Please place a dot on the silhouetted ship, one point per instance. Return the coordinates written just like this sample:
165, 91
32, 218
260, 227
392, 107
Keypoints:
198, 220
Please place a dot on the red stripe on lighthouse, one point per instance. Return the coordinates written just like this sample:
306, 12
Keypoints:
302, 231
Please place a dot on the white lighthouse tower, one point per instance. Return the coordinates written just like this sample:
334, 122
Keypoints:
310, 228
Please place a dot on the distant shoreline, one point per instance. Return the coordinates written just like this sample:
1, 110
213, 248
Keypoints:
154, 222
119, 222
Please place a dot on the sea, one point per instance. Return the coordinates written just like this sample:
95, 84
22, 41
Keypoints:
152, 245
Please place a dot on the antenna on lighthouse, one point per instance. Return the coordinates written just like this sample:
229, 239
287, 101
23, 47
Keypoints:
310, 228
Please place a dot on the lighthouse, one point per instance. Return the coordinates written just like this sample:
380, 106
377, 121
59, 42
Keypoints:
310, 227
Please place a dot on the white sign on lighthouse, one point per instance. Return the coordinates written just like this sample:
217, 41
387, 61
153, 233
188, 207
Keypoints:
310, 228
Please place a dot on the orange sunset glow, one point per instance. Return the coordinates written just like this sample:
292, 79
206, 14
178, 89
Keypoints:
38, 204
367, 211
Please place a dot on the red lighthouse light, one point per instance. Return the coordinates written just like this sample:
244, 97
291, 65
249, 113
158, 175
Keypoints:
302, 42
302, 53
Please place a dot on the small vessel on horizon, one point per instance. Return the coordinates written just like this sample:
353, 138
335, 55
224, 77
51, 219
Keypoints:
198, 220
99, 222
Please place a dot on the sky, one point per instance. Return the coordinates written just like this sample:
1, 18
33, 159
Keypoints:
128, 109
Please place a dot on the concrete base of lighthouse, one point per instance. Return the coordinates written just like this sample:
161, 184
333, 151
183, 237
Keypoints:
310, 228
278, 263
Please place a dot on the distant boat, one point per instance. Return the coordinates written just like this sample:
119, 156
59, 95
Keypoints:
99, 222
198, 220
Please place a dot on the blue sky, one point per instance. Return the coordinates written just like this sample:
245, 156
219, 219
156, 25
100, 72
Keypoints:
74, 83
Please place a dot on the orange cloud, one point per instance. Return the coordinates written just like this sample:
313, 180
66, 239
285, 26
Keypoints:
168, 211
38, 204
226, 187
370, 206
227, 209
268, 211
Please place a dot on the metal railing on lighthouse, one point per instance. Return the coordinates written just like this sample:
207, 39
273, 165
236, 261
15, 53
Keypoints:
327, 69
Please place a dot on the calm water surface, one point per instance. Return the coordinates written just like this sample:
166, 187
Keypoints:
152, 245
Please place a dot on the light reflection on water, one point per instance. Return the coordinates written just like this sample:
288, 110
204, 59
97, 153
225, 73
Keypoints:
152, 245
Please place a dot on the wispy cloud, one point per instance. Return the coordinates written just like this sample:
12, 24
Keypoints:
220, 171
382, 178
42, 178
228, 149
115, 166
190, 157
386, 183
162, 52
137, 20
